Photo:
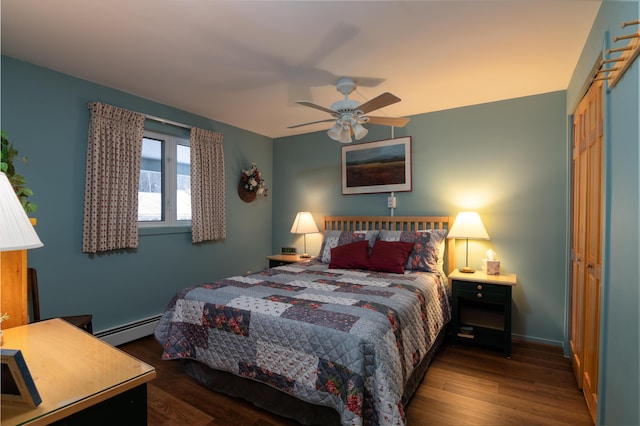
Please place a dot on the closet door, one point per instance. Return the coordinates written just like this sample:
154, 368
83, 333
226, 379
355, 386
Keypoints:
593, 248
578, 242
586, 252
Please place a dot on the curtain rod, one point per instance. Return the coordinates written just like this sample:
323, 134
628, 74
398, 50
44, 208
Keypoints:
159, 120
165, 121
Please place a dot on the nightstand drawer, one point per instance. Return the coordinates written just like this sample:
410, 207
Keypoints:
484, 296
480, 287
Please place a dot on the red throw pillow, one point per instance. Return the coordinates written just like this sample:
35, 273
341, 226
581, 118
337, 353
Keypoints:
390, 256
350, 256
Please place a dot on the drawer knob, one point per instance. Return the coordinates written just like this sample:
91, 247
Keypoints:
479, 287
479, 295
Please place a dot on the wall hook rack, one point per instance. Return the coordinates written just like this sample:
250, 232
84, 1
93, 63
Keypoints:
628, 55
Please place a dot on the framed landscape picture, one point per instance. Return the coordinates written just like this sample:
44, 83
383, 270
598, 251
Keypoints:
382, 166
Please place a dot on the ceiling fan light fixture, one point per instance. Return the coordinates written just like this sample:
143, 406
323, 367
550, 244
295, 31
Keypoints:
350, 114
345, 134
359, 131
335, 132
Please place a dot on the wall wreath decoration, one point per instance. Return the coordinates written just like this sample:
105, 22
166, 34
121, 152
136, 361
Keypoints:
251, 184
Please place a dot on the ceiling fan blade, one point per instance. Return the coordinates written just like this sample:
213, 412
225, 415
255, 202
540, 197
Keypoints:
321, 108
378, 102
389, 121
311, 122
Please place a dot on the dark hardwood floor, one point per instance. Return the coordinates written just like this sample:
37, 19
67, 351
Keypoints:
465, 385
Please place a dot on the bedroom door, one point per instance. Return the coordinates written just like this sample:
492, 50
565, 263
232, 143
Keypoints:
586, 229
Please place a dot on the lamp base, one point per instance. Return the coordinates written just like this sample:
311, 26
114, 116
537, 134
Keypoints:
467, 270
305, 256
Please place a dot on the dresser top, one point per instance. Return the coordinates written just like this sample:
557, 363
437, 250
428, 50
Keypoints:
71, 369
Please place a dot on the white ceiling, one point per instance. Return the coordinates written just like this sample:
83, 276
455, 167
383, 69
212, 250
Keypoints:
244, 62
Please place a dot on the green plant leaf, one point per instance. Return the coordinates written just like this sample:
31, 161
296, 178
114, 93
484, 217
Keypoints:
8, 155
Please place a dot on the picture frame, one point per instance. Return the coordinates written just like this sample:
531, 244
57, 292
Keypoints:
17, 384
374, 167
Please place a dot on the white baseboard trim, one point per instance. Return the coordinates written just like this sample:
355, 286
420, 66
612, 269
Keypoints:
129, 332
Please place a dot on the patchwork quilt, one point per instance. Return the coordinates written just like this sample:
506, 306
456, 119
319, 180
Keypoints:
347, 339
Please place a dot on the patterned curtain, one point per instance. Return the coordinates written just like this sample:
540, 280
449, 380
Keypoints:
208, 206
113, 173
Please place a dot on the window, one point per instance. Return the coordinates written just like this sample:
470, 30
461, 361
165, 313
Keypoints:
164, 194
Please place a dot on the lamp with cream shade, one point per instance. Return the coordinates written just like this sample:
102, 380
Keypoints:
16, 236
16, 231
304, 224
468, 225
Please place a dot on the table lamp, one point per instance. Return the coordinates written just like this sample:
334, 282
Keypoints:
16, 235
304, 224
468, 226
16, 231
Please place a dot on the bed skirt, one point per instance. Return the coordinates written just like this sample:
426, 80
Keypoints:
284, 405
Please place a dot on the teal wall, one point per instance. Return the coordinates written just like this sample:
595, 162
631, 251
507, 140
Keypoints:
619, 369
45, 114
507, 160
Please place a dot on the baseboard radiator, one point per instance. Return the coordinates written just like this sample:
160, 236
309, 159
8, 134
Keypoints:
129, 332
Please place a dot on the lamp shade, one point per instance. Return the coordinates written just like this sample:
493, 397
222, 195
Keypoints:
345, 134
359, 131
16, 231
334, 132
304, 224
468, 225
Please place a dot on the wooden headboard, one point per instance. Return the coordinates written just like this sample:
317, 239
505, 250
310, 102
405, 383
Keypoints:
395, 223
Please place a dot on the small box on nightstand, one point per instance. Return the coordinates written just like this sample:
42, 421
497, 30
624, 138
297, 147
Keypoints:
491, 267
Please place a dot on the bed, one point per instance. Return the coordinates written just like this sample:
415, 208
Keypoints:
344, 338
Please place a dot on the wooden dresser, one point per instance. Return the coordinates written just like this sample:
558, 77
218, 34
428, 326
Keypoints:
80, 379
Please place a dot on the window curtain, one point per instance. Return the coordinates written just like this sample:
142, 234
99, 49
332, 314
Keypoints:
208, 206
113, 173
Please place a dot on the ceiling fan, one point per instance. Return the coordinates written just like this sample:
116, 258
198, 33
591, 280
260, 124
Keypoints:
349, 115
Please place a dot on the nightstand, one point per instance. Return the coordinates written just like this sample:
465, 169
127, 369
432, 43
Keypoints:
283, 259
481, 311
